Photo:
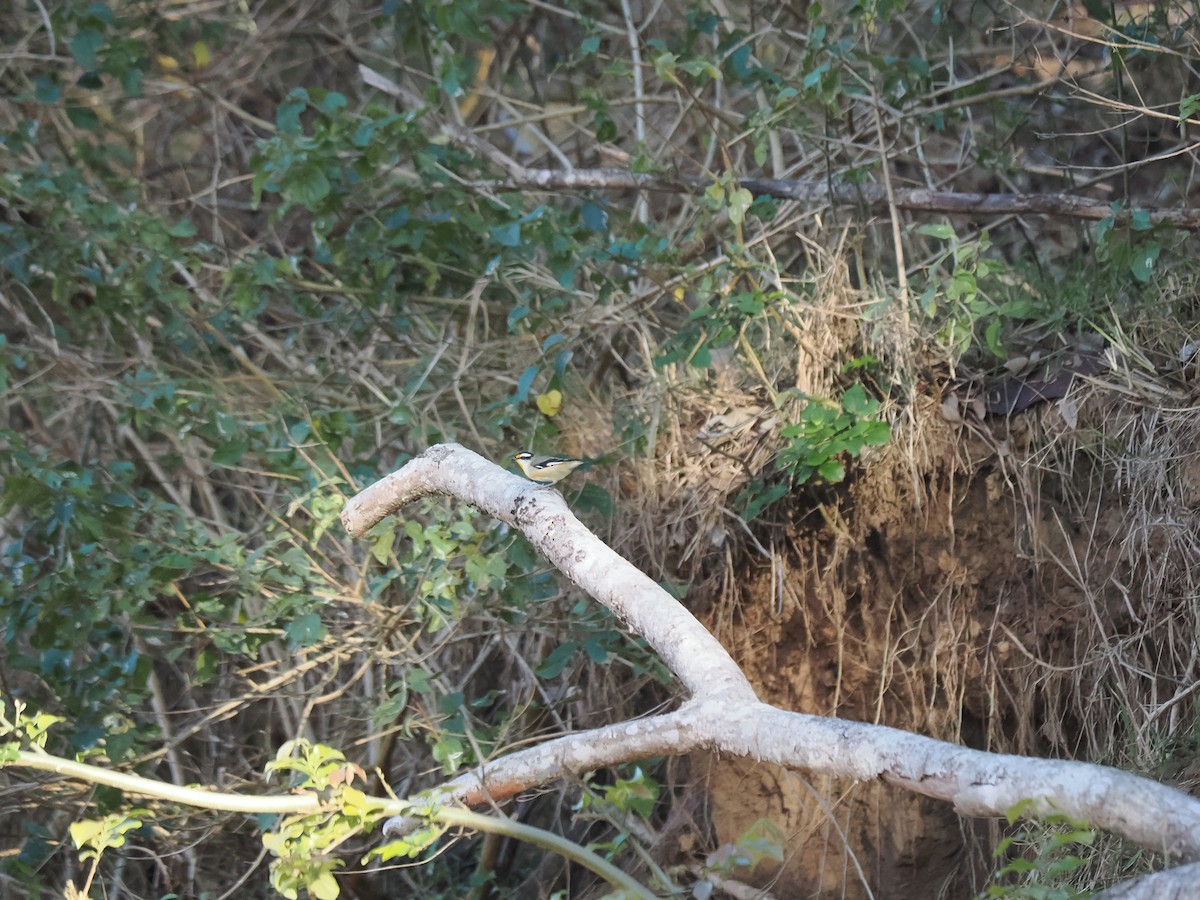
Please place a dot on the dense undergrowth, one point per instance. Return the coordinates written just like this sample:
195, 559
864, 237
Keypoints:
239, 281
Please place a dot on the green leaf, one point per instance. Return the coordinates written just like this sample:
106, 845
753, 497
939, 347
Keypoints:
594, 217
877, 434
287, 116
83, 833
962, 284
85, 46
305, 630
739, 202
941, 232
46, 91
486, 572
386, 713
596, 651
308, 186
448, 750
1142, 265
420, 680
856, 402
698, 68
518, 313
525, 383
813, 78
1188, 106
331, 103
664, 66
757, 498
82, 117
207, 666
324, 886
553, 665
409, 846
832, 471
508, 235
637, 794
381, 547
231, 452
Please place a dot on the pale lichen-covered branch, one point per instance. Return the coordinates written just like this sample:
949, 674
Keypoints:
724, 715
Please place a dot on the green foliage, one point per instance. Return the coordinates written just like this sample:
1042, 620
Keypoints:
96, 554
819, 441
392, 240
303, 844
762, 840
67, 585
637, 794
736, 200
449, 559
1188, 107
960, 305
715, 323
1037, 861
92, 249
22, 729
626, 798
413, 844
826, 431
93, 836
1132, 243
977, 303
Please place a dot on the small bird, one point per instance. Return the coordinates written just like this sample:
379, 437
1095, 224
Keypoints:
546, 469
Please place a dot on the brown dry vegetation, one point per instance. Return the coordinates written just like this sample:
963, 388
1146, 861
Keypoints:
1021, 584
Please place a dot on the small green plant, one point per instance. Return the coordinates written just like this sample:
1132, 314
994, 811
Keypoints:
718, 322
1037, 860
1131, 243
824, 435
22, 729
636, 795
960, 303
93, 836
762, 840
303, 844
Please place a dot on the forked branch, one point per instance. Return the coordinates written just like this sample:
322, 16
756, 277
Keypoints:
724, 715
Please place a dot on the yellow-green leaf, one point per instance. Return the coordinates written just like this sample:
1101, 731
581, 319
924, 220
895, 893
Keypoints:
324, 887
201, 54
550, 402
83, 833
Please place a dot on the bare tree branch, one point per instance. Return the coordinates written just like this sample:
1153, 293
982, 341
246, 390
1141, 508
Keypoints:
870, 196
686, 646
1180, 883
873, 197
724, 715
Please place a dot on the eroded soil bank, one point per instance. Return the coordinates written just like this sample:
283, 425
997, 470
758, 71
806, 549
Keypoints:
1019, 584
